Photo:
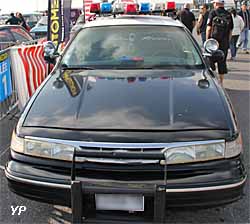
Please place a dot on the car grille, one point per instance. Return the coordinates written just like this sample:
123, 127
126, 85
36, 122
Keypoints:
121, 154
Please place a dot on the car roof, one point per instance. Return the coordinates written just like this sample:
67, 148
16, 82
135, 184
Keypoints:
11, 26
134, 20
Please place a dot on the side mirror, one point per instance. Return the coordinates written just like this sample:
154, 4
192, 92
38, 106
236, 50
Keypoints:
203, 83
211, 45
50, 53
212, 51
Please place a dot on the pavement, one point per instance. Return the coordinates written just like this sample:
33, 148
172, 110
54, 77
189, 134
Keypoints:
237, 85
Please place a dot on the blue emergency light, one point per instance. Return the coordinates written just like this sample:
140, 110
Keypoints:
145, 8
106, 7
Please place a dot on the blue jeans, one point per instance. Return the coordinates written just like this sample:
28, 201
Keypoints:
233, 43
244, 38
203, 37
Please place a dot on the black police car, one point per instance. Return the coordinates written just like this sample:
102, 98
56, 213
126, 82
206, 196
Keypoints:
131, 119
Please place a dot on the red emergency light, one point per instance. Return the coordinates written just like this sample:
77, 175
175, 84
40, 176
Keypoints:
131, 9
170, 5
95, 8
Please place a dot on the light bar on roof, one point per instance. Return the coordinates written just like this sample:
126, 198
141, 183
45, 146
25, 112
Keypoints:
118, 8
145, 8
95, 8
158, 8
106, 7
131, 9
170, 6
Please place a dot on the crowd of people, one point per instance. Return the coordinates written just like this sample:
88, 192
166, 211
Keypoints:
226, 26
17, 19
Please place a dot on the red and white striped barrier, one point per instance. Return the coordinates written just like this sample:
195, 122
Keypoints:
29, 70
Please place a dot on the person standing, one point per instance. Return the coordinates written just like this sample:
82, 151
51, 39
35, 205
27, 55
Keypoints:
219, 27
238, 27
187, 17
245, 15
23, 22
13, 20
202, 22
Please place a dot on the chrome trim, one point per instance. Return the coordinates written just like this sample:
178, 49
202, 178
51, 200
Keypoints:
199, 189
183, 190
35, 182
79, 144
117, 161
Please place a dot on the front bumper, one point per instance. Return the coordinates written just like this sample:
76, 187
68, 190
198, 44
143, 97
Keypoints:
210, 188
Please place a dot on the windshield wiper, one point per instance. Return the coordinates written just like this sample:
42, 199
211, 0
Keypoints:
75, 67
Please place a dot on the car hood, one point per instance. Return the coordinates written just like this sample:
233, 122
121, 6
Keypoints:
129, 100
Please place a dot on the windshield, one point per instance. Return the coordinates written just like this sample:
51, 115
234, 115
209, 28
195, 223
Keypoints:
132, 47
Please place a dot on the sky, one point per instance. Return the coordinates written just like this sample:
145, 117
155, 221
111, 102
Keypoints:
7, 6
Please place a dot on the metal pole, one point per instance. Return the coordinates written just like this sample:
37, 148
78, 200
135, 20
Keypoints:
76, 202
49, 19
49, 30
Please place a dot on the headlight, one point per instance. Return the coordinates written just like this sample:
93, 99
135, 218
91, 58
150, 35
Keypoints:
48, 149
234, 148
17, 143
42, 148
194, 153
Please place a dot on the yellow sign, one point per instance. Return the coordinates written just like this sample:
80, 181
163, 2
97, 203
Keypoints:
71, 84
55, 24
3, 57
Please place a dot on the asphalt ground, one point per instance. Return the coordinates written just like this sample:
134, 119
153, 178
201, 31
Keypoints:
237, 84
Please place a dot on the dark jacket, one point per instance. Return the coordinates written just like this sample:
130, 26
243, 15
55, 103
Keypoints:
13, 21
187, 18
247, 23
224, 44
204, 22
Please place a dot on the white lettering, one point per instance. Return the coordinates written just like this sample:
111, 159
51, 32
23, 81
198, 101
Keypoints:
14, 209
21, 209
3, 67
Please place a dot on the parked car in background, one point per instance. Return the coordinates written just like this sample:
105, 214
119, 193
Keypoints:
12, 35
41, 28
32, 18
3, 19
